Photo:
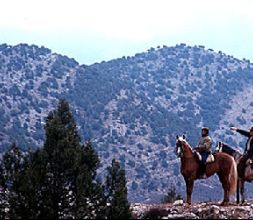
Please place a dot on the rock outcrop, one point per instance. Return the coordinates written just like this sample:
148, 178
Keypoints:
195, 211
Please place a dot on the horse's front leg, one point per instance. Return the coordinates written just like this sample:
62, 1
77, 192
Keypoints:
189, 186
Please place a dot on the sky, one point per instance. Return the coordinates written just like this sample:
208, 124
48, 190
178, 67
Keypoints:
100, 30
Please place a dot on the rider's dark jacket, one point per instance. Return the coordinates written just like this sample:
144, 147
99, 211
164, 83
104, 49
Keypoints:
249, 143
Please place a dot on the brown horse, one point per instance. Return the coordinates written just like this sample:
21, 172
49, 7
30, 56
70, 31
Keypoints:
224, 165
245, 171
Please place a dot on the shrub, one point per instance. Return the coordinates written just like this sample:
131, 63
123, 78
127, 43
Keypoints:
172, 195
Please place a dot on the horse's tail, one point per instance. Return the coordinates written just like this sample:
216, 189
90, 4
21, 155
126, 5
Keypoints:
233, 177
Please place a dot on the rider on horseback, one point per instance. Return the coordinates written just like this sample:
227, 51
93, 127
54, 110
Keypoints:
248, 151
204, 148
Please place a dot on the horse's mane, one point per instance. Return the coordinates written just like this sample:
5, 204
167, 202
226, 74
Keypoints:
185, 141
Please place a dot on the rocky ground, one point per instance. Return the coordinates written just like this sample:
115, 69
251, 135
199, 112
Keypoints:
180, 210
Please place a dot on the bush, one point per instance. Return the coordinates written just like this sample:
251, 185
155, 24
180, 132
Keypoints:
171, 195
155, 213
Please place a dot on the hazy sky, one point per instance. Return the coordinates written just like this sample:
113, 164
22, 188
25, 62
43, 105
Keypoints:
96, 30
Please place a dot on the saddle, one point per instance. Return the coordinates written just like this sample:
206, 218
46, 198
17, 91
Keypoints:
209, 159
248, 161
245, 165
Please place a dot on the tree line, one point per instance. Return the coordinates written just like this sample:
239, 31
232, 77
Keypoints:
59, 180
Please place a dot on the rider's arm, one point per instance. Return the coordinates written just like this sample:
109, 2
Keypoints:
240, 131
243, 132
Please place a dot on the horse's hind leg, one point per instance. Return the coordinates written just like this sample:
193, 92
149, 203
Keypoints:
189, 186
226, 197
242, 190
238, 191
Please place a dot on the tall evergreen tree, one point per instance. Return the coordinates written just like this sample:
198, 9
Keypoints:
60, 178
90, 200
28, 187
61, 147
116, 192
71, 189
12, 164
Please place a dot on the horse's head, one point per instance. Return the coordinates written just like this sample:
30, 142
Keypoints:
182, 146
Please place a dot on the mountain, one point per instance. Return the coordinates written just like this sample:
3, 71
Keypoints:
132, 108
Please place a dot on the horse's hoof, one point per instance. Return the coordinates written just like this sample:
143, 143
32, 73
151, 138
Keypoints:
188, 204
224, 203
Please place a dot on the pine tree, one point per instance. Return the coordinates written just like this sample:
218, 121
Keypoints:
60, 178
12, 165
71, 189
90, 200
27, 187
116, 192
61, 147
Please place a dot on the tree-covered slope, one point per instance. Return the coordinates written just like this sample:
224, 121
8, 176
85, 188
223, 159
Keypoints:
132, 108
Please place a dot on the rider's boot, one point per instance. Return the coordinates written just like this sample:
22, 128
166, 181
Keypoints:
202, 171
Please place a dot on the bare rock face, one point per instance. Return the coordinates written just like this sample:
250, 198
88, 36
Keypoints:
195, 211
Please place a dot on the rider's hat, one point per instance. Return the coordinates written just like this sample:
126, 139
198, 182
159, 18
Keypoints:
205, 129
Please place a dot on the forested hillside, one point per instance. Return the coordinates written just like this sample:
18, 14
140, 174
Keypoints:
131, 108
